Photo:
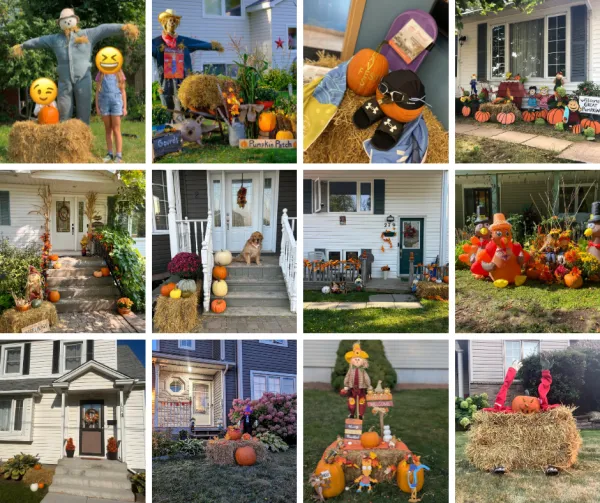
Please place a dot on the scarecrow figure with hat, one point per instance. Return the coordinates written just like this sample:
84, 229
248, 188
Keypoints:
475, 250
246, 427
172, 53
357, 382
593, 231
73, 49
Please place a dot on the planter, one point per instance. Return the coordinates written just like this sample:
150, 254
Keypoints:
70, 454
83, 252
237, 132
111, 456
385, 274
123, 310
24, 308
266, 104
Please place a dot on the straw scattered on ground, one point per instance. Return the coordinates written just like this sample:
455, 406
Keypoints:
222, 452
13, 321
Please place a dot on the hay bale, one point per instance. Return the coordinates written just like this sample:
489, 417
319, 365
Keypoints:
66, 142
202, 91
222, 452
176, 315
524, 441
43, 476
387, 457
13, 321
432, 291
494, 110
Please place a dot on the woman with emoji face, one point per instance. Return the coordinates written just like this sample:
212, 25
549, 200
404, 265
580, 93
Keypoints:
111, 99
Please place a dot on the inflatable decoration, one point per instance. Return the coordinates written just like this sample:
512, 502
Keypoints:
593, 231
476, 250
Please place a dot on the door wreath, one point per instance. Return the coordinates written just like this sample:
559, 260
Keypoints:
241, 195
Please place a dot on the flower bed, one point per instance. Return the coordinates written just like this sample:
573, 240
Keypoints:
274, 413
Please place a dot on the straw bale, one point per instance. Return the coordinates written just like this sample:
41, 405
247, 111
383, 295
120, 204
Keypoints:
202, 91
324, 59
524, 441
494, 110
429, 290
66, 142
176, 315
386, 457
222, 452
13, 321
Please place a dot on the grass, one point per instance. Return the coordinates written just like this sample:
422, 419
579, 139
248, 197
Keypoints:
199, 481
213, 150
580, 485
433, 318
419, 418
532, 308
134, 150
17, 492
317, 296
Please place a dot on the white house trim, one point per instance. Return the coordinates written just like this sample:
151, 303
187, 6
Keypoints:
283, 375
5, 348
240, 373
267, 4
86, 367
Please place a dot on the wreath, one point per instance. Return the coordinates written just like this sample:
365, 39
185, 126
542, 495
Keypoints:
92, 416
241, 197
410, 231
63, 212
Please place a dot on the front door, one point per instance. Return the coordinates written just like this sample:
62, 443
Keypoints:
411, 241
202, 403
91, 441
63, 224
242, 209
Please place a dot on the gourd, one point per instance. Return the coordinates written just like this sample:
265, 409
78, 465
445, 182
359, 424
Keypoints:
555, 116
267, 122
365, 71
97, 274
105, 271
165, 290
284, 135
245, 456
219, 272
337, 481
574, 279
526, 404
223, 257
501, 283
187, 285
218, 306
48, 115
175, 293
35, 303
586, 123
520, 280
466, 111
506, 118
54, 296
482, 116
370, 439
402, 476
186, 294
219, 288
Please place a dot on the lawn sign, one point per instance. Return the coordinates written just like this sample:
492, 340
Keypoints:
362, 459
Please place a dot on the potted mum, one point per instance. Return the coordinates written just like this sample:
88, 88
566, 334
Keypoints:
70, 448
124, 305
112, 449
186, 265
386, 271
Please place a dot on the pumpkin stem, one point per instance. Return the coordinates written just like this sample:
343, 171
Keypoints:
379, 47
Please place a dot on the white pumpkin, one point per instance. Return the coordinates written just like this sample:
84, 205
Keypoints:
34, 487
325, 290
219, 288
187, 285
223, 257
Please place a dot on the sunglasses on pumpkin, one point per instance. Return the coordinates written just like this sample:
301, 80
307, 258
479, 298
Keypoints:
398, 97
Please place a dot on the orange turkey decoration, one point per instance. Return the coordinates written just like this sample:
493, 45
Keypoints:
475, 251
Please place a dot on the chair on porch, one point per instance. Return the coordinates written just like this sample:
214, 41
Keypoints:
317, 256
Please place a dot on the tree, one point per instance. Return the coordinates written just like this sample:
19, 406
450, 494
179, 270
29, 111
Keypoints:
132, 192
485, 7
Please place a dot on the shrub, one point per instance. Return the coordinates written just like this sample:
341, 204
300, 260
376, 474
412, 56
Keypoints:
278, 79
189, 447
14, 267
266, 94
138, 481
17, 466
273, 412
588, 88
136, 106
590, 395
183, 435
6, 302
186, 265
155, 93
162, 443
273, 442
458, 251
160, 115
464, 408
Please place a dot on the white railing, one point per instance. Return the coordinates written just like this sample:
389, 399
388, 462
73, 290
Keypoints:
208, 261
293, 223
185, 236
287, 258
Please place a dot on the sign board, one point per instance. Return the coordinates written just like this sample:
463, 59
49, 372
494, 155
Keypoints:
167, 143
266, 143
37, 328
174, 62
589, 104
353, 429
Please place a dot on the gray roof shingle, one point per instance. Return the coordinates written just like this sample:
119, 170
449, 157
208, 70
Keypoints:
129, 364
24, 384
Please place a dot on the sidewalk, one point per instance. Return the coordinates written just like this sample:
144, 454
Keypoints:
385, 301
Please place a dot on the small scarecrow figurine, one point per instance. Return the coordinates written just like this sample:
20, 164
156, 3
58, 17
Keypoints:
172, 53
532, 100
73, 49
543, 98
246, 427
571, 116
413, 471
473, 84
357, 382
34, 284
559, 81
593, 231
365, 479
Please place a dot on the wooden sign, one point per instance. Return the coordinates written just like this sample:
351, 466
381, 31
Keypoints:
266, 143
353, 429
380, 400
37, 328
589, 104
167, 143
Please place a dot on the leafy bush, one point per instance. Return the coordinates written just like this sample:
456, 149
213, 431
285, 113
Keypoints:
183, 435
273, 442
190, 447
162, 443
458, 251
14, 267
273, 412
136, 104
16, 467
464, 408
278, 79
160, 115
588, 88
186, 265
266, 94
155, 94
138, 481
6, 302
590, 395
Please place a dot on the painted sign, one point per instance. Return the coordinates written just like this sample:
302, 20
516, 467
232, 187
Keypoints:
266, 143
167, 143
589, 104
174, 64
37, 328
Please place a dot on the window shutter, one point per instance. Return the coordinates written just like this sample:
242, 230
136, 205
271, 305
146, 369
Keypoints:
379, 203
4, 208
481, 52
89, 350
324, 196
307, 197
55, 356
578, 43
26, 358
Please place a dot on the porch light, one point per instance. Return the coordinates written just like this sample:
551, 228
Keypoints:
462, 39
390, 218
189, 368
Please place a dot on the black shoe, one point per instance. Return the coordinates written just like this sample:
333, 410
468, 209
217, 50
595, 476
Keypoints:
360, 418
499, 470
551, 471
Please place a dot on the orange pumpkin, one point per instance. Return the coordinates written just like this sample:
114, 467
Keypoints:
219, 272
533, 273
576, 129
529, 116
37, 467
370, 439
234, 434
245, 456
218, 306
284, 135
41, 485
365, 71
506, 118
541, 114
337, 481
526, 404
54, 258
267, 121
446, 279
97, 274
48, 115
555, 116
482, 116
165, 290
586, 123
574, 279
105, 271
398, 113
466, 111
54, 296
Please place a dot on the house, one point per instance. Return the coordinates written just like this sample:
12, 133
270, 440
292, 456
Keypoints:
417, 363
346, 212
87, 390
256, 24
557, 35
199, 379
197, 211
511, 192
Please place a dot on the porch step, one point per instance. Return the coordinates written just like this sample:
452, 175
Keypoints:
253, 271
78, 305
88, 292
70, 272
257, 298
87, 281
260, 311
71, 261
100, 493
242, 284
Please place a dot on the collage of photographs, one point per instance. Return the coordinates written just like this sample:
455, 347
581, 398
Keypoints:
403, 374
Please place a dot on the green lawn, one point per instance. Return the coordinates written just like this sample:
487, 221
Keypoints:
532, 308
433, 318
580, 485
419, 418
317, 296
199, 481
214, 150
133, 148
17, 492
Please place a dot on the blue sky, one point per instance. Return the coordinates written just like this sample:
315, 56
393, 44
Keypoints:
138, 347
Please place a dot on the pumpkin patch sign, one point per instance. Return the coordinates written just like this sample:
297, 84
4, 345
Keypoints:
267, 143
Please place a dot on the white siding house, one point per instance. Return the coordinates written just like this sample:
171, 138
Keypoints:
418, 197
415, 362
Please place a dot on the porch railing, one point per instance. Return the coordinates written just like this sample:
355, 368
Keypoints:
104, 252
208, 262
188, 237
319, 271
287, 258
293, 223
174, 414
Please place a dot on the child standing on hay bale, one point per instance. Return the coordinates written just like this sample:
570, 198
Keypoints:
111, 104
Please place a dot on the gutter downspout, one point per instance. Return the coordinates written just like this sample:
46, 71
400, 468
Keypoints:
156, 393
240, 371
122, 424
62, 424
459, 368
224, 392
172, 214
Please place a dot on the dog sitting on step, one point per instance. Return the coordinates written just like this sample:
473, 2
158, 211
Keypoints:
251, 250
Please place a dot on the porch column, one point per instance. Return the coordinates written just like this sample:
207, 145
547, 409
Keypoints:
224, 211
261, 203
495, 195
172, 214
122, 424
63, 404
156, 393
459, 370
556, 192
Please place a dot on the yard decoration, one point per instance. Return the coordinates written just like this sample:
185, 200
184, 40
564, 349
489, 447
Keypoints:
13, 321
219, 288
177, 315
410, 475
57, 265
593, 231
365, 71
555, 116
529, 116
574, 279
223, 452
245, 456
330, 470
473, 84
365, 479
267, 121
558, 82
112, 449
48, 115
105, 271
219, 272
482, 116
589, 134
233, 433
526, 404
165, 290
474, 252
124, 305
541, 114
175, 293
218, 306
357, 381
36, 303
97, 274
590, 123
223, 257
187, 285
54, 296
370, 439
466, 111
506, 118
571, 115
543, 99
70, 448
284, 135
520, 280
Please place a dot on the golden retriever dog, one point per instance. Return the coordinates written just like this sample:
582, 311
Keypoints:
251, 249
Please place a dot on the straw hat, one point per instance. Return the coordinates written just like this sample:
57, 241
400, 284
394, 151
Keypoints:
163, 16
499, 221
65, 13
356, 353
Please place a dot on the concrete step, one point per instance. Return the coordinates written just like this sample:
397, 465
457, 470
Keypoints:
89, 292
262, 311
268, 272
81, 281
81, 261
243, 284
80, 305
98, 480
103, 464
100, 493
249, 299
69, 273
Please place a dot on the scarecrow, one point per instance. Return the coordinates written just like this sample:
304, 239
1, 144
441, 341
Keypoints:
73, 49
473, 84
247, 426
593, 231
571, 116
357, 381
559, 81
34, 284
172, 53
543, 98
473, 252
550, 246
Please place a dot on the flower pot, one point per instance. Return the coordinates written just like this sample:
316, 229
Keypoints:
385, 274
83, 252
123, 310
24, 308
70, 454
237, 132
111, 456
266, 104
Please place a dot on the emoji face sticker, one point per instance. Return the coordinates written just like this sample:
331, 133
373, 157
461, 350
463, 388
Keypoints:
109, 60
43, 91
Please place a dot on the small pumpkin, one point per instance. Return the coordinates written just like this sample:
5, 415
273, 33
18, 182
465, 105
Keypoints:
284, 135
219, 272
541, 114
48, 115
370, 439
337, 481
402, 475
57, 265
365, 71
555, 116
218, 306
533, 273
54, 258
97, 274
573, 279
54, 296
267, 122
187, 285
41, 485
234, 434
37, 467
35, 303
466, 111
482, 116
165, 290
175, 293
446, 279
529, 116
223, 257
105, 271
245, 456
586, 123
501, 283
506, 118
526, 404
219, 288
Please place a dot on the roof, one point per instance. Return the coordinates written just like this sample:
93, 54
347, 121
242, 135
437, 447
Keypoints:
24, 384
129, 364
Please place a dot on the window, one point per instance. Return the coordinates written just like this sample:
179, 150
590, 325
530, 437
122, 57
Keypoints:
4, 207
292, 40
527, 48
136, 223
317, 196
11, 414
13, 359
474, 197
365, 196
263, 382
216, 203
281, 342
222, 8
176, 385
160, 201
73, 355
557, 44
518, 350
18, 422
498, 51
187, 344
351, 255
227, 69
267, 201
334, 255
350, 197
